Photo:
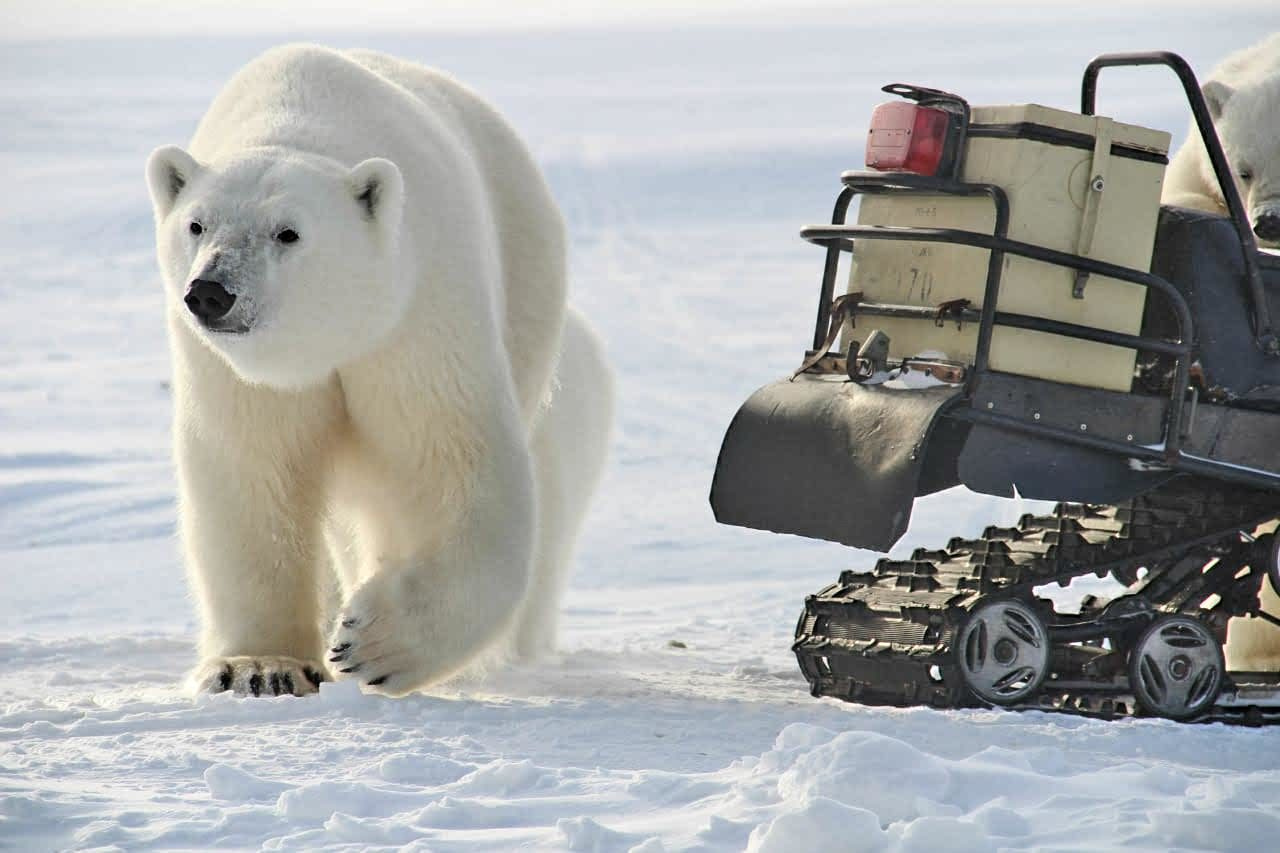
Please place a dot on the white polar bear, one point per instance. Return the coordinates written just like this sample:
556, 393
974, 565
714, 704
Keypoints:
376, 379
1243, 96
1253, 645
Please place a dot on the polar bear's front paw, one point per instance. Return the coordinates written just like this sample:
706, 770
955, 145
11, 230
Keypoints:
378, 642
248, 675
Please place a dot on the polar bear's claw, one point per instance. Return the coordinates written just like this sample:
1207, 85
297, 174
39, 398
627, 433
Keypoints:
246, 675
378, 641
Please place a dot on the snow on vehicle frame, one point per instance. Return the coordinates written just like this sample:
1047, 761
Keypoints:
1001, 331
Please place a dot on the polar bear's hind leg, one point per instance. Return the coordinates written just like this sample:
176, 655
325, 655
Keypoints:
569, 446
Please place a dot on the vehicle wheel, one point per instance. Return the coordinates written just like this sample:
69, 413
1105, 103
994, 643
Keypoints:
1003, 651
1176, 668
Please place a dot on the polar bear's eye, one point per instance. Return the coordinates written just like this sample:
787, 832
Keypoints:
288, 235
196, 228
1246, 174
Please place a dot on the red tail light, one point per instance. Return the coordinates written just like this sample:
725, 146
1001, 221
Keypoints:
907, 137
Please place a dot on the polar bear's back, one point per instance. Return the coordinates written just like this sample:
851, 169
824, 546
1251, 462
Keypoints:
315, 100
1252, 63
533, 244
460, 159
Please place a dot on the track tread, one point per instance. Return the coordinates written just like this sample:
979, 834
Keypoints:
903, 612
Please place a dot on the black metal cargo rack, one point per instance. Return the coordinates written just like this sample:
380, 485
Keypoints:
839, 237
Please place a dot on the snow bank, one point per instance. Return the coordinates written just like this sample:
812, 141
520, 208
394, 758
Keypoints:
889, 794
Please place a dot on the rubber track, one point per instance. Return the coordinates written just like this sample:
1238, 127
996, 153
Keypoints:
884, 637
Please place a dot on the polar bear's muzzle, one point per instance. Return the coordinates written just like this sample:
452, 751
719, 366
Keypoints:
1266, 223
210, 303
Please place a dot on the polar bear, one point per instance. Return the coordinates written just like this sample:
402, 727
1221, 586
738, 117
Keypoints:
1243, 96
388, 424
1253, 644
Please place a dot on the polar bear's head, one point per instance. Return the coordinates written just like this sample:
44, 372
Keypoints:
1247, 119
287, 265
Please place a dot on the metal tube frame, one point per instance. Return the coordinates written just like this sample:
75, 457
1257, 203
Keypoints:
1264, 334
1023, 321
838, 237
829, 270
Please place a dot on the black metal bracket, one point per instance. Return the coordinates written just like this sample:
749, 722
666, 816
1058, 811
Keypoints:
952, 309
904, 182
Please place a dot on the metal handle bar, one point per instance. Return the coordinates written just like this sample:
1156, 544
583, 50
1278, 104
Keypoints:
837, 237
1263, 332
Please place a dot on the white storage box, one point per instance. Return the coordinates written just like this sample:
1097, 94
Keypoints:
1048, 162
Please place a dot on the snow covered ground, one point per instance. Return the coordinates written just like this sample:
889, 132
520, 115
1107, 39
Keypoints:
686, 158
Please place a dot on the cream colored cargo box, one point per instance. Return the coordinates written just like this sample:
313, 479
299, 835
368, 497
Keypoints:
1080, 184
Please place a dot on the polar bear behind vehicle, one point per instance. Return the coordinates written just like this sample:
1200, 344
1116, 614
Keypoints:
377, 381
1243, 96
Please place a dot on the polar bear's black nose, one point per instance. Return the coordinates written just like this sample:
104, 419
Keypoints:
208, 300
1267, 226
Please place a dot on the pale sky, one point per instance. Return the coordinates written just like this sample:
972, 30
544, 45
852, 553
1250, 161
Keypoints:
42, 19
27, 19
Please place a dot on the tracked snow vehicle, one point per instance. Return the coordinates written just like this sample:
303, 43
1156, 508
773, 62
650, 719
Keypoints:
1023, 317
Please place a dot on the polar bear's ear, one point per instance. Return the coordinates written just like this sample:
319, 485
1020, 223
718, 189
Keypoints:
378, 188
169, 170
1216, 96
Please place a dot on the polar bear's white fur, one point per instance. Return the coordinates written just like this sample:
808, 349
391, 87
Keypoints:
1243, 95
397, 399
1253, 645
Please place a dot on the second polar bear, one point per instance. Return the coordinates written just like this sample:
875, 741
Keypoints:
378, 385
1243, 96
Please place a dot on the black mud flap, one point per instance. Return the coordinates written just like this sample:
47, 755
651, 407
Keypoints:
828, 460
